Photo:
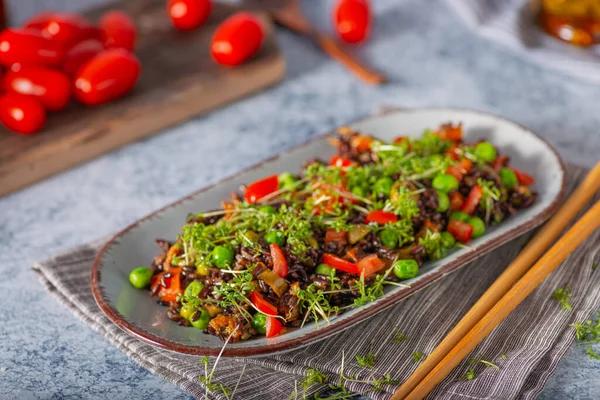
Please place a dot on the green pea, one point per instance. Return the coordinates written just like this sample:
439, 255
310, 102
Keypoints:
443, 202
460, 216
485, 151
286, 180
435, 159
478, 226
324, 269
448, 240
202, 318
259, 323
445, 183
383, 186
357, 190
275, 236
222, 256
389, 238
508, 177
187, 311
406, 269
140, 277
193, 289
267, 210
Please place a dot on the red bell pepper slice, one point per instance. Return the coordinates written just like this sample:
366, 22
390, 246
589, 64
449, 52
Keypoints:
450, 132
370, 265
455, 171
261, 188
339, 263
341, 162
280, 266
460, 230
362, 143
456, 201
523, 178
459, 170
470, 204
466, 165
264, 306
381, 217
453, 151
331, 236
173, 284
273, 327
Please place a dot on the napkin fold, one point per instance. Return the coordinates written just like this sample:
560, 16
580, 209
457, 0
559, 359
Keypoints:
526, 347
512, 23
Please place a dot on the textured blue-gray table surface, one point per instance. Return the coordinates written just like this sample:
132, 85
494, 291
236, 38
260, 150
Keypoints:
431, 59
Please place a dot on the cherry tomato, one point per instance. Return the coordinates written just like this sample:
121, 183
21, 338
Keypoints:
352, 20
261, 188
118, 30
279, 263
273, 327
106, 77
64, 28
381, 217
370, 265
29, 47
461, 231
264, 306
81, 53
523, 178
339, 263
340, 162
188, 14
172, 288
22, 114
470, 204
50, 87
236, 39
456, 201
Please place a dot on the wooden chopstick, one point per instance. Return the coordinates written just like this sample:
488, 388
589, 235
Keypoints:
335, 51
533, 250
527, 284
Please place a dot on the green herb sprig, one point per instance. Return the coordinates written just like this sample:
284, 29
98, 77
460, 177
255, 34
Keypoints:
367, 361
588, 333
470, 374
563, 296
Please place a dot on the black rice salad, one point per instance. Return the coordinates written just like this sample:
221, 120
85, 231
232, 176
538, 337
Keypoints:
289, 249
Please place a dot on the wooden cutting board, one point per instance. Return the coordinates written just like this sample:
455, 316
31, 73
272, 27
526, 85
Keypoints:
179, 81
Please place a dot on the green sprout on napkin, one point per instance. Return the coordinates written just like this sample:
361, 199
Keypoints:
563, 296
470, 374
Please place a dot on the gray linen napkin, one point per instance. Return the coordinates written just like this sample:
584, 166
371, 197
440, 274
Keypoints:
533, 338
512, 23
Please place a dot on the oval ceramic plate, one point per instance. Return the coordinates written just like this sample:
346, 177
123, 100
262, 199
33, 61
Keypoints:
139, 314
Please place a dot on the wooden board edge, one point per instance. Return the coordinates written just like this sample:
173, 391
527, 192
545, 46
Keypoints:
149, 125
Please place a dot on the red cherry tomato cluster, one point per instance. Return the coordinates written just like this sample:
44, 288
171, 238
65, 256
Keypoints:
235, 40
56, 56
